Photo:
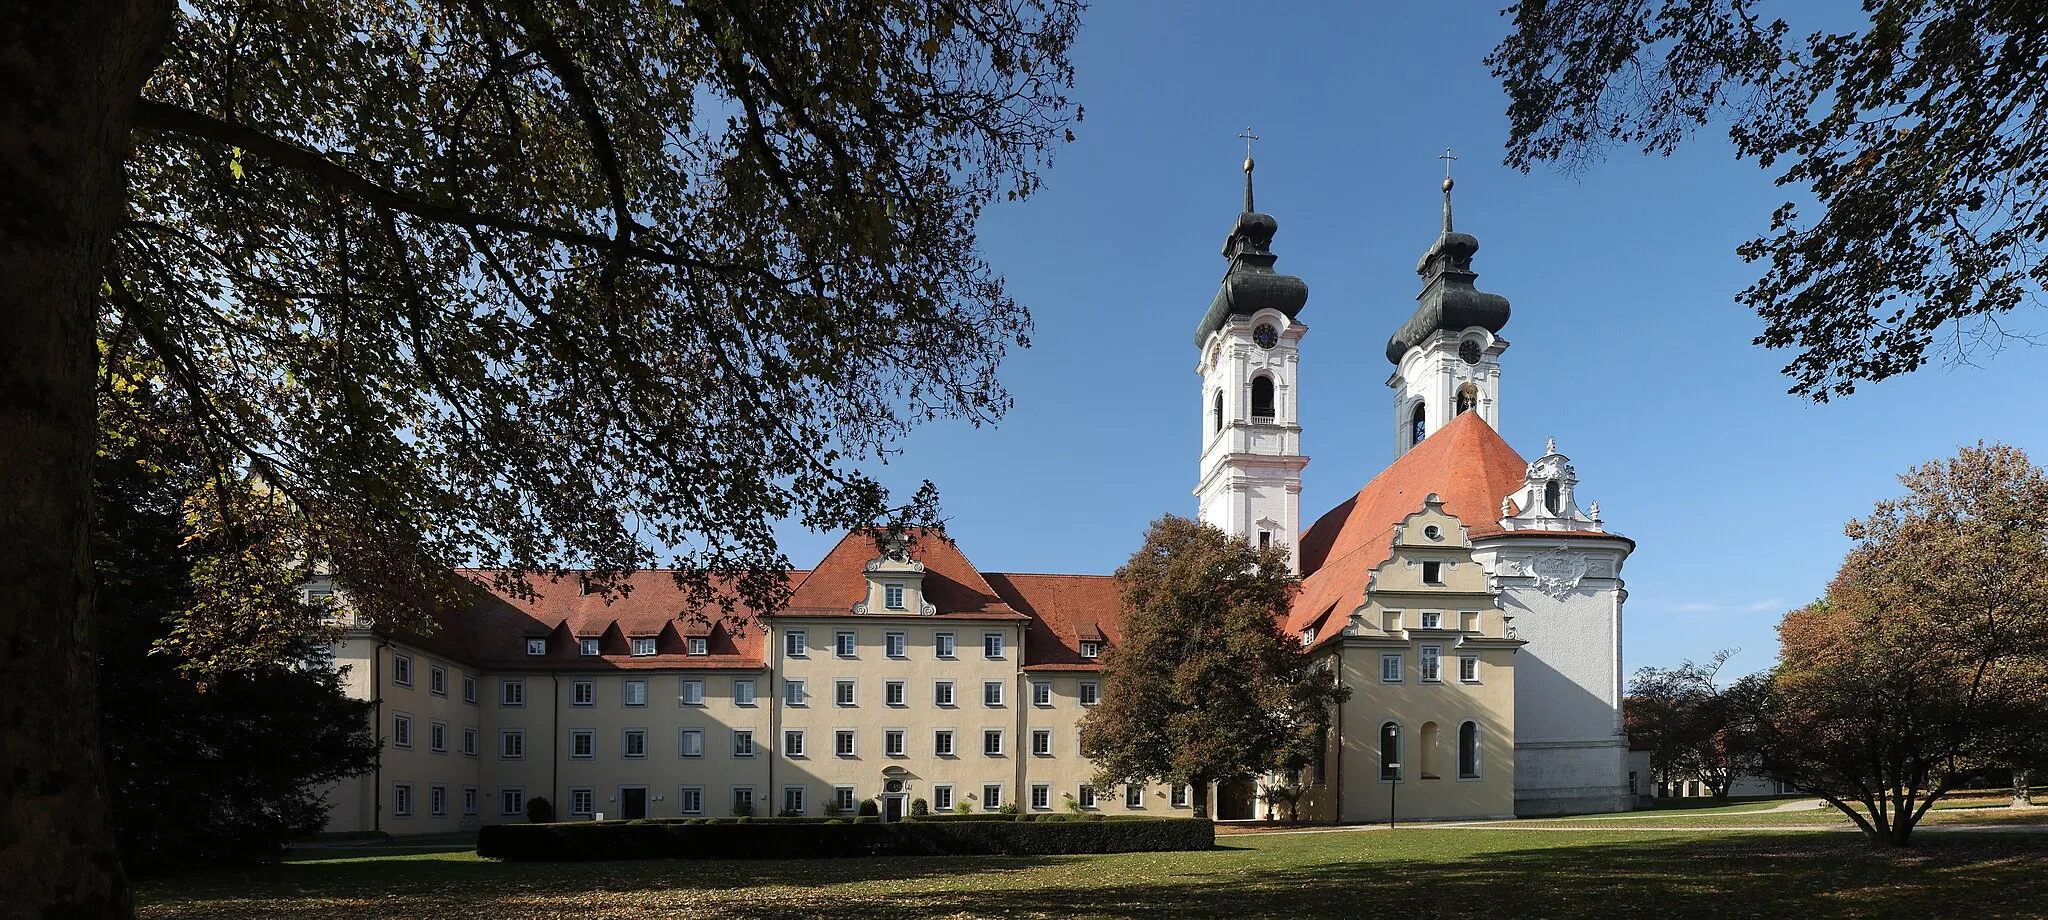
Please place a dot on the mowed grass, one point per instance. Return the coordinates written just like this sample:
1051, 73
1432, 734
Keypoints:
1409, 873
1974, 809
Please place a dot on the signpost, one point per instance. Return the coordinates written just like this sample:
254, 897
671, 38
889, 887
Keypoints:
1391, 788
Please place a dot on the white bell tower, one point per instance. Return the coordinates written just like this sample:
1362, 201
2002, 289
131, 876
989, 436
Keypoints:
1249, 345
1447, 356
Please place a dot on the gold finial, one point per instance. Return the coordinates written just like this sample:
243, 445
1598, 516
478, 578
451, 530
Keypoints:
1448, 159
1248, 137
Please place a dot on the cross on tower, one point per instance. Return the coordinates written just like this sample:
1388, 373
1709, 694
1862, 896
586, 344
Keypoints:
1248, 137
1446, 157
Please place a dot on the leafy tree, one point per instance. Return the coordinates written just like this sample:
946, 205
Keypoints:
1921, 665
1916, 133
1690, 723
1205, 684
523, 284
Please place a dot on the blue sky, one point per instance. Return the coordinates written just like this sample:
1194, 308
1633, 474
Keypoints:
1627, 343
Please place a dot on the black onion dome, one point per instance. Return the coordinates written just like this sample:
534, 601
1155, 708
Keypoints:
1448, 299
1251, 284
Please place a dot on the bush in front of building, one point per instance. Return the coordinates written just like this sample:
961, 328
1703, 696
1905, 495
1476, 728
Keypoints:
801, 838
919, 808
539, 810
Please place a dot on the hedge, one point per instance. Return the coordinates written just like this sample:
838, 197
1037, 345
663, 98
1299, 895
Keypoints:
807, 839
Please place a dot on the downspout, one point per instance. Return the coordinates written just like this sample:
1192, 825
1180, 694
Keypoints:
554, 745
1337, 801
1021, 742
377, 731
774, 714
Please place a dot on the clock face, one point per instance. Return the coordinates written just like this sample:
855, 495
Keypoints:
1469, 352
1265, 336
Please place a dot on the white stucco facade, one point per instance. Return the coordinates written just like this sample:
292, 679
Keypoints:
1251, 442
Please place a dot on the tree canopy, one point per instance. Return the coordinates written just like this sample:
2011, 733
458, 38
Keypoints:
1915, 133
1690, 723
1204, 683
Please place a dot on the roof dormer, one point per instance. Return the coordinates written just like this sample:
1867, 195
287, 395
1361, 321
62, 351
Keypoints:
1547, 500
895, 582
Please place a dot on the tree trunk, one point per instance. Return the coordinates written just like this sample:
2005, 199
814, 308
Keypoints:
1198, 796
2022, 788
69, 75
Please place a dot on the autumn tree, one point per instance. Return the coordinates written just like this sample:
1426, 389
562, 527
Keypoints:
1205, 684
1921, 665
1690, 723
1915, 132
520, 285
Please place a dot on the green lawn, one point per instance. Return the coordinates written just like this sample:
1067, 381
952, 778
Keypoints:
1409, 873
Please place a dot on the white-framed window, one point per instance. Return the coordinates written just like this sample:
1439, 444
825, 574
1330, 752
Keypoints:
633, 744
742, 798
1041, 693
437, 736
469, 690
991, 693
892, 742
699, 645
512, 801
512, 692
742, 742
892, 693
743, 692
843, 743
846, 643
1091, 693
842, 796
1134, 796
1468, 668
1390, 668
1041, 742
1178, 798
896, 644
1432, 619
643, 646
437, 681
943, 645
1085, 794
582, 801
1432, 574
587, 647
536, 646
793, 691
1430, 666
942, 798
512, 744
892, 595
792, 800
992, 646
690, 743
793, 742
469, 801
942, 742
942, 693
992, 742
635, 693
1091, 649
401, 730
689, 800
1041, 796
1468, 750
583, 693
793, 643
842, 693
991, 796
469, 744
691, 692
401, 800
401, 670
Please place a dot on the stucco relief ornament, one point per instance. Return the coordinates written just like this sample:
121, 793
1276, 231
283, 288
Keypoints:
1557, 572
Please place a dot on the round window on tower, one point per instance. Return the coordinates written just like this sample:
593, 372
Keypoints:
1468, 351
1433, 532
1266, 335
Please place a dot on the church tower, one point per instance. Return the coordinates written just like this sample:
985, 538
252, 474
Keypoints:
1249, 344
1447, 356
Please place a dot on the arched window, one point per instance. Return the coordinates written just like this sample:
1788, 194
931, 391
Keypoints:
1468, 398
1390, 751
1417, 426
1425, 751
1262, 397
1219, 410
1468, 751
1553, 497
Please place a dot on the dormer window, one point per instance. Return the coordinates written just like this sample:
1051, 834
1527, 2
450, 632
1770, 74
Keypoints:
1308, 637
643, 646
536, 646
1262, 397
1091, 649
587, 647
1553, 497
699, 646
892, 596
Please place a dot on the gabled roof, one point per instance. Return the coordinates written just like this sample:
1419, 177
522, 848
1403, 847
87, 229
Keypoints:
1064, 609
1465, 463
493, 632
951, 583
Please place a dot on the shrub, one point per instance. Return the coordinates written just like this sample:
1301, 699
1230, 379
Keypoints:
1073, 805
832, 809
962, 808
539, 810
796, 839
1010, 809
919, 808
742, 809
869, 808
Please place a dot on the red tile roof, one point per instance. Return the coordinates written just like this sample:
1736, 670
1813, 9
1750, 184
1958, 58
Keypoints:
1064, 609
1465, 463
951, 583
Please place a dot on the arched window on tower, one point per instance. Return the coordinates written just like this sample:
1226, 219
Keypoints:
1262, 397
1553, 497
1468, 398
1219, 410
1418, 426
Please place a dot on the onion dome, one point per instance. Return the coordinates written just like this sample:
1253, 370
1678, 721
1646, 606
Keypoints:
1448, 300
1251, 285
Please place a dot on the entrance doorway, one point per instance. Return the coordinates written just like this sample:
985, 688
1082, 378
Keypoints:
1237, 800
892, 808
632, 802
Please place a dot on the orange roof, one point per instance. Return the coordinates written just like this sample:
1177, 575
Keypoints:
1064, 609
951, 583
1465, 463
